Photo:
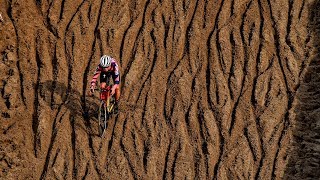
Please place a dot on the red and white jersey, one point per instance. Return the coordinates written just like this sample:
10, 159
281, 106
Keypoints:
114, 70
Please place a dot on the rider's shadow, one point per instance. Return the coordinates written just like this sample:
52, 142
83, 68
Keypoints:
57, 94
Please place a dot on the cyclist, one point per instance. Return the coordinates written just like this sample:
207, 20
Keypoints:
107, 67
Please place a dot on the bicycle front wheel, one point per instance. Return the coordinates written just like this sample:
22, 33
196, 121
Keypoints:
102, 118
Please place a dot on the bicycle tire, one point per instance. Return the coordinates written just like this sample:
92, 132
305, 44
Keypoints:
102, 119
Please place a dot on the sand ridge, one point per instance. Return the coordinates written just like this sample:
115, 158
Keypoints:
209, 88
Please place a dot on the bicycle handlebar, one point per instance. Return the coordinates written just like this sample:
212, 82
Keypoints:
108, 88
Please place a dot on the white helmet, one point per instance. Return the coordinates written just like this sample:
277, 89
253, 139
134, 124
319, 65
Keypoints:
105, 61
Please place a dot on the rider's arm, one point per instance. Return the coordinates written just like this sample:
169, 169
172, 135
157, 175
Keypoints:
116, 74
96, 75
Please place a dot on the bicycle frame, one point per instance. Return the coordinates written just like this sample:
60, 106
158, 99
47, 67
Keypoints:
105, 109
105, 96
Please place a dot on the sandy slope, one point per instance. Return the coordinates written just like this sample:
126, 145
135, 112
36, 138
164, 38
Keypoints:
209, 89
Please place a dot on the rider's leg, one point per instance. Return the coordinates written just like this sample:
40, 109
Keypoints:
117, 97
117, 93
116, 79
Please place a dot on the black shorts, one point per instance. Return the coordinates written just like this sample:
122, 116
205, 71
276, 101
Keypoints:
105, 77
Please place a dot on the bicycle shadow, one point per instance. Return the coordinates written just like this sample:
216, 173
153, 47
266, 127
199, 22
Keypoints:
57, 94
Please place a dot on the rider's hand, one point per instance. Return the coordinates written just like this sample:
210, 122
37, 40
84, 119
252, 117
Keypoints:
90, 93
93, 86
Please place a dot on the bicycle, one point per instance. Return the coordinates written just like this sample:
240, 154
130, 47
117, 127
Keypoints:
106, 108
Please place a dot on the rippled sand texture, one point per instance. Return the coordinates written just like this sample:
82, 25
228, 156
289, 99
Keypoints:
209, 89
